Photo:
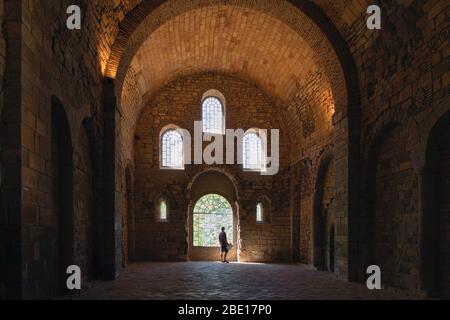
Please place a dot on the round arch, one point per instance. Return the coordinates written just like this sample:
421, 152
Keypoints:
434, 204
217, 99
367, 253
301, 186
303, 18
320, 244
309, 21
62, 193
180, 133
199, 187
218, 170
216, 94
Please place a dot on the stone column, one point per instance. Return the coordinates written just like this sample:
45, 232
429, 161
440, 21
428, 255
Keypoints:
11, 264
295, 216
111, 223
347, 173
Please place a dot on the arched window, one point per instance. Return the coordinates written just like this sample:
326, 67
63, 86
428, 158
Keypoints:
213, 115
162, 210
253, 152
263, 210
172, 155
259, 212
211, 213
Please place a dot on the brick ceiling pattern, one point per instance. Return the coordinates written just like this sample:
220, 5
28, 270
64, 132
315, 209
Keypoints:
276, 44
342, 13
119, 23
240, 41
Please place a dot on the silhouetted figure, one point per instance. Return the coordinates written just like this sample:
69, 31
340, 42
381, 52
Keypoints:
223, 246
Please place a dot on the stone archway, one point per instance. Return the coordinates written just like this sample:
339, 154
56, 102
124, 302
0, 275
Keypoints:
301, 212
212, 183
304, 17
367, 254
136, 78
391, 206
61, 220
435, 220
324, 216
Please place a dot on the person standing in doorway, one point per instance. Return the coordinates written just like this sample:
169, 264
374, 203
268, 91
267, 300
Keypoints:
223, 246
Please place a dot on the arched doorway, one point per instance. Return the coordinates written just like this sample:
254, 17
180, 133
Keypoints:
301, 213
391, 200
341, 89
323, 221
435, 224
212, 206
211, 213
62, 217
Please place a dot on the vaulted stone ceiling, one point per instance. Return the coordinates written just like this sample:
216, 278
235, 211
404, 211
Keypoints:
240, 41
275, 44
239, 37
341, 12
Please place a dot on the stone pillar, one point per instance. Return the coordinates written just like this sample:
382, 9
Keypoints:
110, 222
96, 150
295, 216
11, 275
347, 173
354, 197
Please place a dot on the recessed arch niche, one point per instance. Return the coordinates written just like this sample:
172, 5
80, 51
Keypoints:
217, 183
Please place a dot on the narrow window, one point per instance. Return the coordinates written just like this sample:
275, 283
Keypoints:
163, 210
213, 116
172, 150
259, 212
252, 152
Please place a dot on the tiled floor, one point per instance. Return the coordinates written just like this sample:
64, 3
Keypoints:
210, 280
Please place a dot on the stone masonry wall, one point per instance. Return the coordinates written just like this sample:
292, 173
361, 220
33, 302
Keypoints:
404, 73
396, 220
179, 103
404, 81
62, 63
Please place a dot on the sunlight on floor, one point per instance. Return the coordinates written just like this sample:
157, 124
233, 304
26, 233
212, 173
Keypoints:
239, 263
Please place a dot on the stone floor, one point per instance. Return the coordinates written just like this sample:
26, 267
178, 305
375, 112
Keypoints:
210, 280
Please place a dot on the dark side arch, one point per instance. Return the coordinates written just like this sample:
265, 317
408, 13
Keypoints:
321, 216
62, 192
435, 204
